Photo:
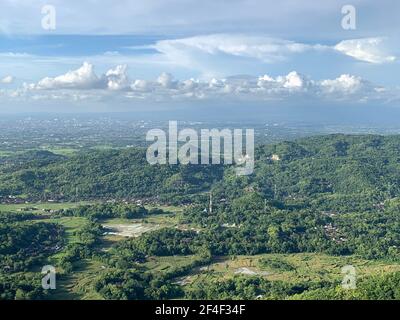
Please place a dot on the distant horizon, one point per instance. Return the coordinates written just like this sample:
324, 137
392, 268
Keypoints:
306, 115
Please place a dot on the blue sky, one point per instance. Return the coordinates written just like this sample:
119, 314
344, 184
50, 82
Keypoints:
134, 53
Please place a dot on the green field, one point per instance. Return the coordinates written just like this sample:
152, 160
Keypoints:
40, 206
78, 285
304, 267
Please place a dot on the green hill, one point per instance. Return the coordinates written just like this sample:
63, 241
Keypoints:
322, 169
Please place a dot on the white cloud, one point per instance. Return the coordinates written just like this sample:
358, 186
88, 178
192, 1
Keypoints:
15, 55
7, 80
217, 54
368, 50
282, 85
84, 84
292, 81
206, 57
86, 78
266, 49
141, 85
166, 80
82, 78
345, 83
117, 78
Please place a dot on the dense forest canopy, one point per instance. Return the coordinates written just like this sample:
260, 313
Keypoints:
326, 170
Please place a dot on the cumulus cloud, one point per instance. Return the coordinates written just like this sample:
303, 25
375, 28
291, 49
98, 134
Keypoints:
117, 78
82, 78
166, 80
86, 78
285, 85
293, 81
368, 50
84, 84
345, 83
7, 80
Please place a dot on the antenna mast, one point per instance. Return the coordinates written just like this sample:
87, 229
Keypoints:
211, 204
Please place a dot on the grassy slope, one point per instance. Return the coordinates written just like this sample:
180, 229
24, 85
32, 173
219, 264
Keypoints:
307, 267
78, 285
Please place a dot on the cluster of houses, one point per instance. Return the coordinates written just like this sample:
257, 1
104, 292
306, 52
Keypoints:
333, 233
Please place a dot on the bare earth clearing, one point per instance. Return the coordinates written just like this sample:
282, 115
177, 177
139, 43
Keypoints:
129, 230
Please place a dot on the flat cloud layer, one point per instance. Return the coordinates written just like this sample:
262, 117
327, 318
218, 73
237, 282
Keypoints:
267, 49
368, 50
264, 48
206, 16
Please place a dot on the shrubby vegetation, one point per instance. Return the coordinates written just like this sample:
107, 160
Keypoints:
21, 287
378, 287
9, 217
86, 247
164, 242
109, 210
23, 244
241, 287
135, 285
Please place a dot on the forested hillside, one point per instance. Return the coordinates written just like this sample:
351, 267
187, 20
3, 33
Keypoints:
101, 174
324, 170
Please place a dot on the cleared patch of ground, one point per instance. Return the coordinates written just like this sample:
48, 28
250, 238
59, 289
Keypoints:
128, 230
118, 228
251, 272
